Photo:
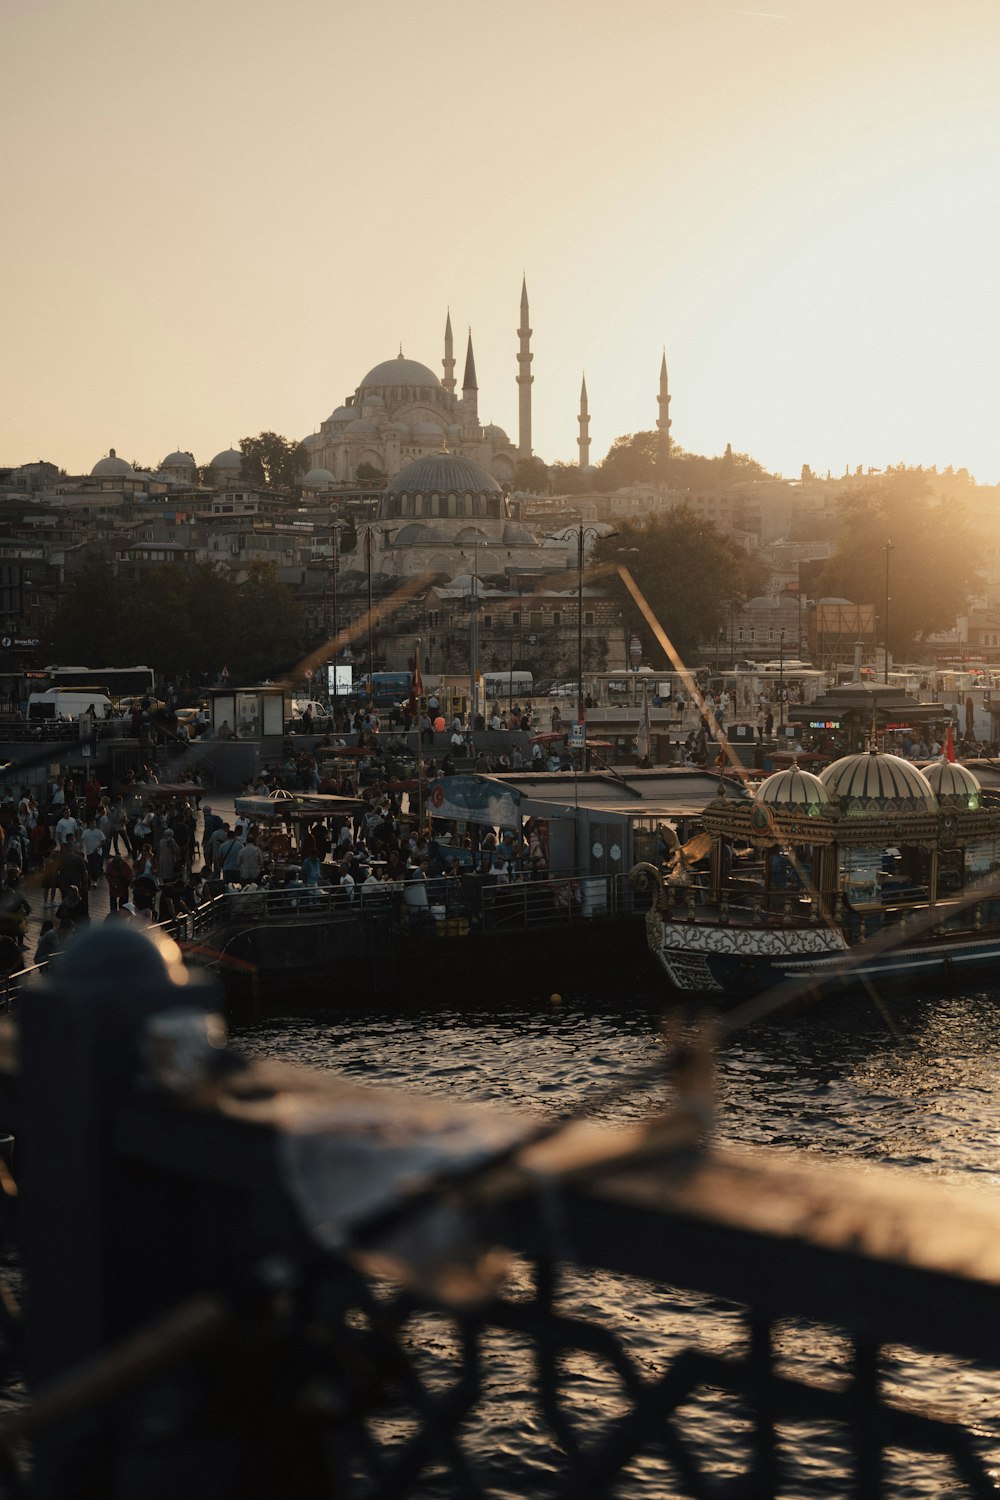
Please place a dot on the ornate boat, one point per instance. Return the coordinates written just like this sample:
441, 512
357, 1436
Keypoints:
873, 871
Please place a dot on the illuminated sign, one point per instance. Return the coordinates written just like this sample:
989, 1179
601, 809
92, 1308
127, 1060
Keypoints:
825, 724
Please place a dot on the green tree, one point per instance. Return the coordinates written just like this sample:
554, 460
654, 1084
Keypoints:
273, 462
688, 572
92, 620
532, 474
635, 459
568, 479
631, 459
269, 625
932, 564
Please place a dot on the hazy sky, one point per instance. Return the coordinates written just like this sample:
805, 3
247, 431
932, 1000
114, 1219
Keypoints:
218, 214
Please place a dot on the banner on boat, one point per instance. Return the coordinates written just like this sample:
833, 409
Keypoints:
470, 799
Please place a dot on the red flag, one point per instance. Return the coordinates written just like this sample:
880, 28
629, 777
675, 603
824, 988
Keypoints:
949, 745
417, 685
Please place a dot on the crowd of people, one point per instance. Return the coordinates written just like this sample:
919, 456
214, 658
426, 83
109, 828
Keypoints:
161, 856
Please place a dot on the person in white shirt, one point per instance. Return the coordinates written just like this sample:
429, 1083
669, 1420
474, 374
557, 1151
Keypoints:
67, 830
251, 863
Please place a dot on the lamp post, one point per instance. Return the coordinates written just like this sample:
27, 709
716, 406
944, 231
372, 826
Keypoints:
582, 533
781, 680
885, 617
474, 634
335, 529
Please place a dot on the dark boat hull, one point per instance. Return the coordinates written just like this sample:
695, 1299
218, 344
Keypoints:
706, 970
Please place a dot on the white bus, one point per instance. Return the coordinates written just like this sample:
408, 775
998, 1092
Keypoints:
511, 687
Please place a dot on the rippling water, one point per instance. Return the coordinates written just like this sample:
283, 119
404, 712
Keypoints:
914, 1087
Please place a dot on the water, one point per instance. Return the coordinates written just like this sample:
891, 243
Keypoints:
919, 1093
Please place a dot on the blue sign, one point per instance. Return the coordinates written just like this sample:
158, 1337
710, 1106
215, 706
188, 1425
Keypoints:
473, 799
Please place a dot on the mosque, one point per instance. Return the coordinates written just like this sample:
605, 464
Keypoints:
401, 411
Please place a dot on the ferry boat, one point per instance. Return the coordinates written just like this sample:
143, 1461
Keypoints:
874, 871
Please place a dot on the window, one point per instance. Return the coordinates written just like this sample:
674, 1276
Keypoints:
488, 621
556, 617
535, 617
588, 617
515, 617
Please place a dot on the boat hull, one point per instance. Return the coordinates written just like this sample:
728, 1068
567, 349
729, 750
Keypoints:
702, 959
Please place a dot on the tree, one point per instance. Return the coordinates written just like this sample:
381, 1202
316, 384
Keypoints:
182, 619
532, 474
273, 462
687, 570
932, 565
636, 459
369, 472
632, 459
270, 627
569, 479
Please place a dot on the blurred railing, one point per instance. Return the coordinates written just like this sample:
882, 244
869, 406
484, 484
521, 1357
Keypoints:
261, 1280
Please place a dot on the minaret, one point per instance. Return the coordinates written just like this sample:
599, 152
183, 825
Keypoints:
663, 420
449, 358
524, 379
583, 441
470, 389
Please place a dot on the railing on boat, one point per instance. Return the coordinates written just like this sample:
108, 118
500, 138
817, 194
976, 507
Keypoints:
205, 1303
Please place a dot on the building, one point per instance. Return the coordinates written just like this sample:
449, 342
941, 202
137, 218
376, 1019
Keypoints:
401, 411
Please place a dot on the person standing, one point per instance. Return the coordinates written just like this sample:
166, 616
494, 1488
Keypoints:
119, 877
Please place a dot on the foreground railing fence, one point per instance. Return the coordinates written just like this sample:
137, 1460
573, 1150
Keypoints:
257, 1280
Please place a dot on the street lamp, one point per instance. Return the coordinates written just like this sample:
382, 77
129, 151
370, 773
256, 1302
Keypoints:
781, 680
335, 529
371, 649
582, 533
474, 632
888, 549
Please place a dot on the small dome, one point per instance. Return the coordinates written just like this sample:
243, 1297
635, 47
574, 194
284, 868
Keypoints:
418, 534
401, 429
178, 460
444, 473
343, 414
362, 426
516, 535
872, 783
495, 434
112, 466
318, 479
955, 786
229, 458
396, 372
795, 789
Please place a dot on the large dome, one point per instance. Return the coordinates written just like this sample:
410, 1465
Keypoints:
799, 791
871, 783
443, 473
112, 467
955, 786
398, 371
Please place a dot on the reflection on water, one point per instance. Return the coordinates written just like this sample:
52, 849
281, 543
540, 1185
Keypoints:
837, 1082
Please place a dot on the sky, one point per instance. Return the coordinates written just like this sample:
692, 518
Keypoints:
219, 214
